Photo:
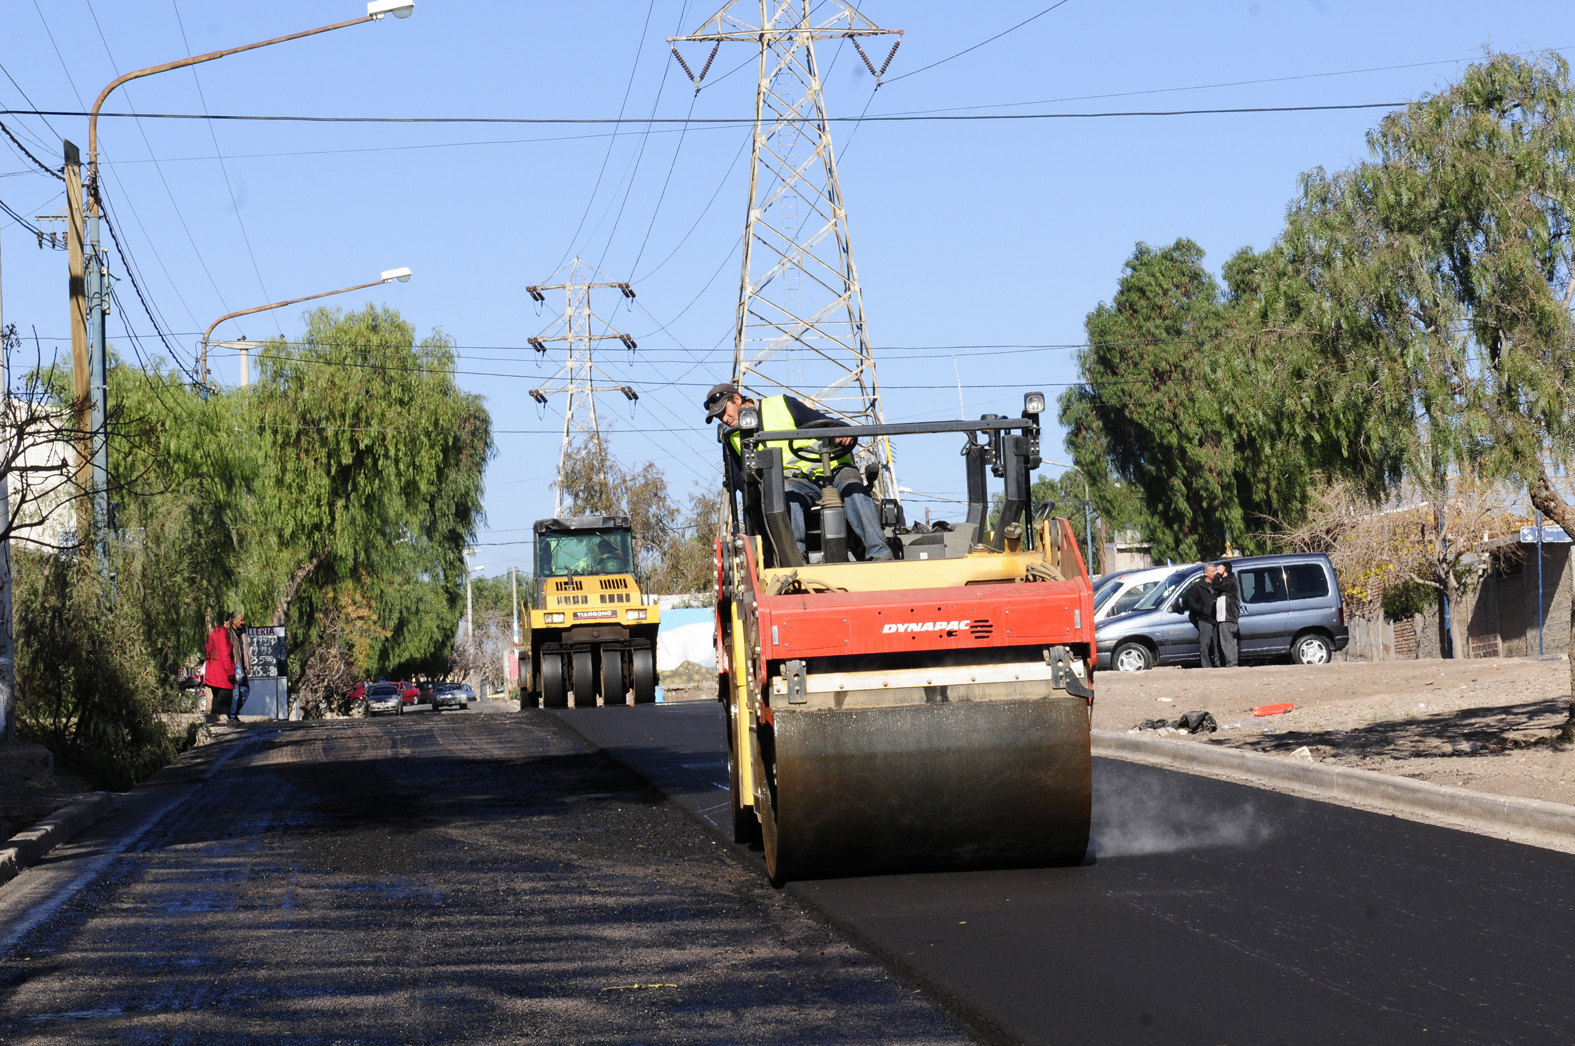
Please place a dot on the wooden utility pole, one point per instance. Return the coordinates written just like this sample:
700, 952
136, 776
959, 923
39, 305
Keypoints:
81, 365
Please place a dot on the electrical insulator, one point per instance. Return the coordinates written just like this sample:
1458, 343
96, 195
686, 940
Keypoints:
535, 292
630, 393
537, 344
628, 342
536, 394
628, 291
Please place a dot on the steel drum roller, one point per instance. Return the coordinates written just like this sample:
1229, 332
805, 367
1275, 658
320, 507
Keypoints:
975, 784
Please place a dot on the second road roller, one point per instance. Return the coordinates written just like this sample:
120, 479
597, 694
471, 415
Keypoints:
925, 705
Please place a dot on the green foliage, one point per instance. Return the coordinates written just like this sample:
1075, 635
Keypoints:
1405, 599
674, 548
88, 687
372, 464
1167, 426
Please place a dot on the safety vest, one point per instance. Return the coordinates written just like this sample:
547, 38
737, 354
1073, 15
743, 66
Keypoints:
775, 417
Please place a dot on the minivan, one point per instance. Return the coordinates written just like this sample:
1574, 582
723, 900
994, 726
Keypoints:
1290, 604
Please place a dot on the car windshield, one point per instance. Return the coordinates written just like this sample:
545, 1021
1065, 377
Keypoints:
1104, 591
1163, 590
381, 691
1132, 597
583, 552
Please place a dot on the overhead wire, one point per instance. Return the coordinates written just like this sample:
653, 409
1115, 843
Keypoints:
978, 45
223, 167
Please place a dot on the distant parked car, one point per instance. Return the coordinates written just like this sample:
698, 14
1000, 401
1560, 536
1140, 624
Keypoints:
1290, 604
356, 693
450, 695
1127, 590
409, 692
384, 697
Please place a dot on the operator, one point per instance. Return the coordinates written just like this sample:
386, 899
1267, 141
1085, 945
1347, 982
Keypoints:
801, 477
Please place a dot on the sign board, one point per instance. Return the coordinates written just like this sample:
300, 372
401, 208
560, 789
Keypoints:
1551, 535
269, 684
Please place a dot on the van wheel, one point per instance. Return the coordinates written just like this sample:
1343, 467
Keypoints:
1312, 649
1132, 657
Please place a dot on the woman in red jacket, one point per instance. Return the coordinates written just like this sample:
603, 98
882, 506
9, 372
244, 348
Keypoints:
227, 662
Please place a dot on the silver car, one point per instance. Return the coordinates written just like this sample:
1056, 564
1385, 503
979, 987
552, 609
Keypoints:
1290, 604
384, 697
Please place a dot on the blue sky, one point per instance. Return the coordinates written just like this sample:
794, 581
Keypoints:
1002, 233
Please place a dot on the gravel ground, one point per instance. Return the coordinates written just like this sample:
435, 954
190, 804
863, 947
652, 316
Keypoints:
477, 878
1482, 725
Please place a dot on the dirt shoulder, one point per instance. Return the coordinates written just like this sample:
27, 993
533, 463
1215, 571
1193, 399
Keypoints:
1481, 725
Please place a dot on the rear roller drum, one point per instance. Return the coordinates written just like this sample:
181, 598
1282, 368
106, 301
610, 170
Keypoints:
614, 690
644, 675
554, 693
584, 679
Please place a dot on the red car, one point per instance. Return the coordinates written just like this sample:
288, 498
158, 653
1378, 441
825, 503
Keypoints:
409, 693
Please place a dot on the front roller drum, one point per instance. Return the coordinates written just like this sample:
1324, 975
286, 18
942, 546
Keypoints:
986, 784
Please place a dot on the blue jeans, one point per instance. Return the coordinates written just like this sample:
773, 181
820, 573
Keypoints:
863, 519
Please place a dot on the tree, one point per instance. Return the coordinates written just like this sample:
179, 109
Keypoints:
1430, 287
673, 548
1166, 425
371, 475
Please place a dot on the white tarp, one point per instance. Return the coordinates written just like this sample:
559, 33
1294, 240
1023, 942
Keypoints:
686, 635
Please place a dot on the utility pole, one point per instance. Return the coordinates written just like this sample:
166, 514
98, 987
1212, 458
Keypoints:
81, 384
800, 324
579, 378
7, 647
470, 612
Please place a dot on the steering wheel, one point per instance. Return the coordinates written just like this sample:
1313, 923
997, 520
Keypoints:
822, 446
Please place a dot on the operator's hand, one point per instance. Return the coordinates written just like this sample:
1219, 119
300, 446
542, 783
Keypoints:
845, 441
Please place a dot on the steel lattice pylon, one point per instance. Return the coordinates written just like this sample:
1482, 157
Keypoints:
800, 323
579, 379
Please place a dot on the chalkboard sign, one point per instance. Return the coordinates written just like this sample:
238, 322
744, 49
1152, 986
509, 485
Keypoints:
268, 652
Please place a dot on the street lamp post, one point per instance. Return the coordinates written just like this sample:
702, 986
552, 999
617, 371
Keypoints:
389, 276
96, 277
1088, 510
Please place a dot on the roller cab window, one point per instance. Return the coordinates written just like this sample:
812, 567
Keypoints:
584, 552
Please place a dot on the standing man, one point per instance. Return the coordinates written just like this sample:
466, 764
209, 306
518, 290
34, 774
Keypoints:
1198, 600
1227, 612
800, 476
228, 664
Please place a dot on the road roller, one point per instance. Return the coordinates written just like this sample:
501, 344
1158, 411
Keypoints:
927, 709
591, 633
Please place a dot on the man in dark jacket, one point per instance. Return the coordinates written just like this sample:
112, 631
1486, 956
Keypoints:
1198, 600
1227, 612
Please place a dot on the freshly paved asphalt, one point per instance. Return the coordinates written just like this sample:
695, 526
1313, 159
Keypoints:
1210, 913
423, 879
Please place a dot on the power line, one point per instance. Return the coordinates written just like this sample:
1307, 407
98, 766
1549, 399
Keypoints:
40, 164
714, 120
978, 45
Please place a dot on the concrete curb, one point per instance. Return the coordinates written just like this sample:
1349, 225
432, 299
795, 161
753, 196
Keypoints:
1350, 787
29, 847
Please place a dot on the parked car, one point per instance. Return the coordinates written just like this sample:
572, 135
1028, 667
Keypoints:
356, 693
1290, 604
409, 693
384, 697
1127, 590
450, 695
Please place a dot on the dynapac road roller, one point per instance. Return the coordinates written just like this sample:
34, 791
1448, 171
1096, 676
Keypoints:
929, 711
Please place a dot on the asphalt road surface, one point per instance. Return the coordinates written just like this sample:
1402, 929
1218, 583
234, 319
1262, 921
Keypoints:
423, 879
1210, 913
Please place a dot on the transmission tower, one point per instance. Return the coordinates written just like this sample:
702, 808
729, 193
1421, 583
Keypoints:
800, 325
579, 379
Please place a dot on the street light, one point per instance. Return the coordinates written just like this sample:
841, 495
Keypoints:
388, 276
95, 279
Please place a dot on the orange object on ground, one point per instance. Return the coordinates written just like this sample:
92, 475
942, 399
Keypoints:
1263, 710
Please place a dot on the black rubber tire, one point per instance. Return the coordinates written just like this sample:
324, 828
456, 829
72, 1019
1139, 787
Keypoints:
1135, 654
554, 691
1312, 649
644, 661
615, 689
401, 709
584, 679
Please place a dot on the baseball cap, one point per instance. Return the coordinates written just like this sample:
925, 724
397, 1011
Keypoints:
716, 399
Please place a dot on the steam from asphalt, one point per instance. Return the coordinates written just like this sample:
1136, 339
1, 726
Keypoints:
1132, 818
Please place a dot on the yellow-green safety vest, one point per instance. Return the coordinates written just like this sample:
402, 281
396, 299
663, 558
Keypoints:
776, 417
